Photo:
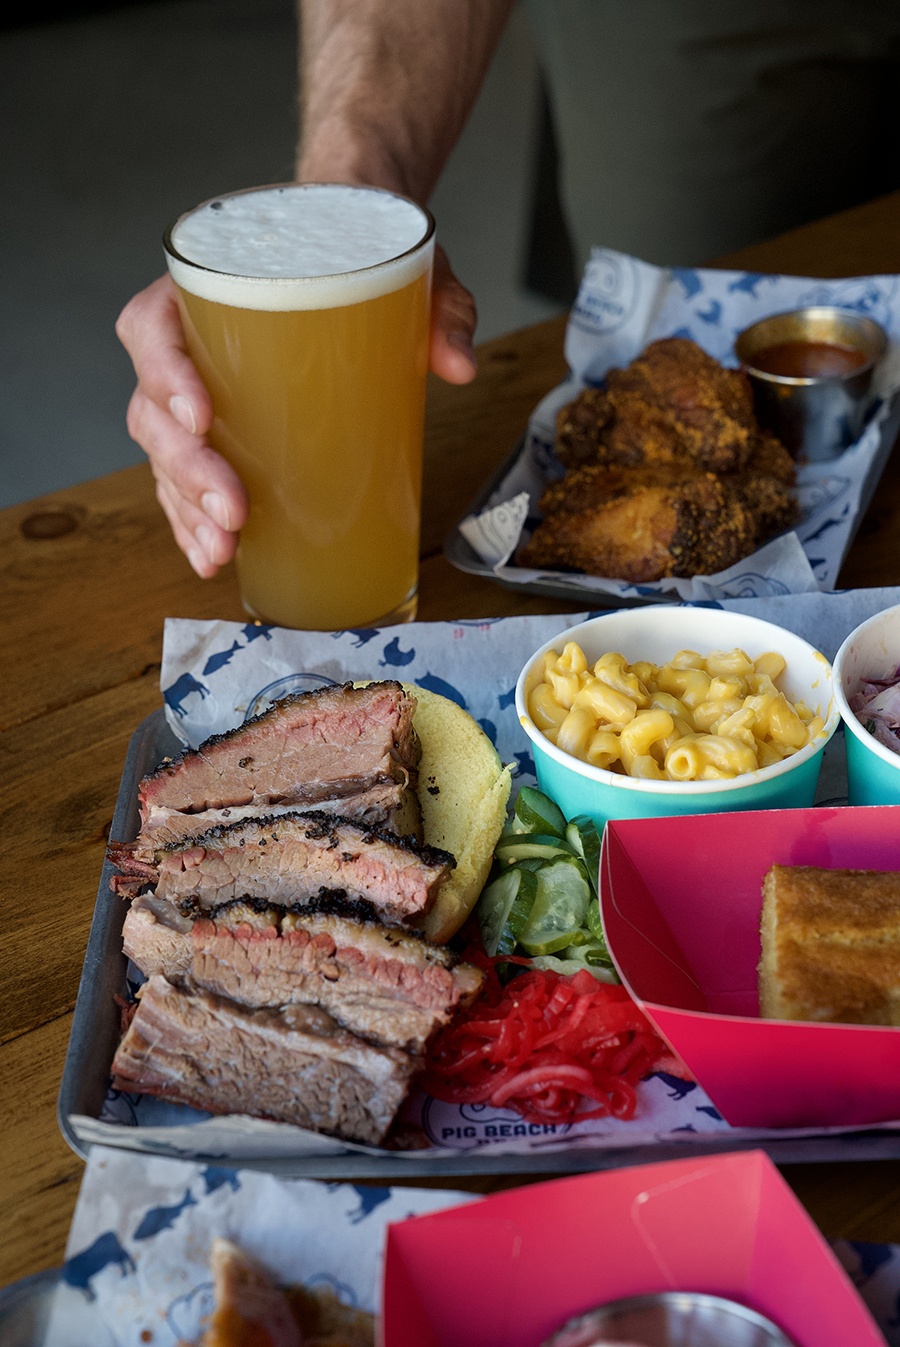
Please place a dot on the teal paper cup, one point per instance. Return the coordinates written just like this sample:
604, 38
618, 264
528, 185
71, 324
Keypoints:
871, 651
657, 634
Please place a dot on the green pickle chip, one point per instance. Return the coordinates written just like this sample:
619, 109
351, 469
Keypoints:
535, 812
542, 900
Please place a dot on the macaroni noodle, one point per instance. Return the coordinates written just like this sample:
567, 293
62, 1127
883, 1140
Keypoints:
694, 718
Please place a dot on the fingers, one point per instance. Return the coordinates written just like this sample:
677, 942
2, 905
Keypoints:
204, 499
453, 319
149, 327
169, 415
205, 546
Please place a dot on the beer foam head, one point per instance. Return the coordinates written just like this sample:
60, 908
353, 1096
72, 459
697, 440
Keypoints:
305, 246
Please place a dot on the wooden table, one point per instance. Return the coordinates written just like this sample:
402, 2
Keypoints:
89, 574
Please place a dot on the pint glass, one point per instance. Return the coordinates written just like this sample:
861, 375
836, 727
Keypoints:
305, 309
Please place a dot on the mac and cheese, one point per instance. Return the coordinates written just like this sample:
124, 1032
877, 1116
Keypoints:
694, 718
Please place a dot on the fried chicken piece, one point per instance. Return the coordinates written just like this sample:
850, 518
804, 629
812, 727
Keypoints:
251, 1310
770, 458
654, 521
591, 430
595, 484
709, 405
637, 432
772, 504
580, 426
674, 402
764, 486
668, 473
647, 532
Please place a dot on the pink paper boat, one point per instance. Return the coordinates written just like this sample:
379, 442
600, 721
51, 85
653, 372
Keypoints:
509, 1271
681, 899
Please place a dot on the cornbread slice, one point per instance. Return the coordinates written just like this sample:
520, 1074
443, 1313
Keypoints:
463, 792
830, 945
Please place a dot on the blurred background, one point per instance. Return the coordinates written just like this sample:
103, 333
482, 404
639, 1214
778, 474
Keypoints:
119, 116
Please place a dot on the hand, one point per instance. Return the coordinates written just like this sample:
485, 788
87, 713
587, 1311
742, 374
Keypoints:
170, 412
169, 416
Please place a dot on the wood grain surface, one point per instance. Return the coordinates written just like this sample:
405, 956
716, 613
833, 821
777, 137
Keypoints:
87, 577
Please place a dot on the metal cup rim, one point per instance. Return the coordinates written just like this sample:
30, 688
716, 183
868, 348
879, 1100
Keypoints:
737, 1310
874, 347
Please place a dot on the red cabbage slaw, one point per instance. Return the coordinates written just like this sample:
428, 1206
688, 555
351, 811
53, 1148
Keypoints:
877, 706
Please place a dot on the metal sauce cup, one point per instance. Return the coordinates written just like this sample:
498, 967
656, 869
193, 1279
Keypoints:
816, 416
671, 1319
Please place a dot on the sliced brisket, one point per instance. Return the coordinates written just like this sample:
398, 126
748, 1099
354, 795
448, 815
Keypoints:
387, 985
157, 937
322, 749
289, 858
386, 805
294, 1064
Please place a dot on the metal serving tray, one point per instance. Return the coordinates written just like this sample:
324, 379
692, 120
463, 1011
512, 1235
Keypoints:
96, 1029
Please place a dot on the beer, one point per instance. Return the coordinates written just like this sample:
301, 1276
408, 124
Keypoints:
305, 309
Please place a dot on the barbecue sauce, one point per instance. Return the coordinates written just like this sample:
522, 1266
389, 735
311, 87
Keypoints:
808, 359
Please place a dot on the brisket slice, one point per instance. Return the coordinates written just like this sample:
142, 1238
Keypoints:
293, 1065
288, 858
380, 983
325, 747
385, 805
387, 985
327, 743
156, 937
159, 939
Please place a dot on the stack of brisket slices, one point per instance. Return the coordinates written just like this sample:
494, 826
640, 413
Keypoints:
272, 888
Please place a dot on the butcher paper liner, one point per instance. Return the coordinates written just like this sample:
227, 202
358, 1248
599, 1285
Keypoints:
137, 1260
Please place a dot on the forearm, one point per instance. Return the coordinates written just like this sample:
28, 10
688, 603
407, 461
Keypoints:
386, 86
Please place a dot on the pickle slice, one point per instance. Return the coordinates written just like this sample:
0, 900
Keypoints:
535, 812
584, 839
540, 846
504, 909
559, 911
